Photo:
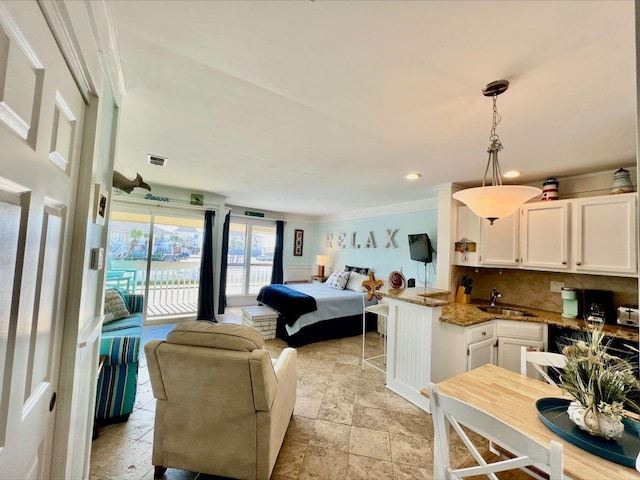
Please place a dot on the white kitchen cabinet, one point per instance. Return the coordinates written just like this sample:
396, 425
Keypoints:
456, 348
480, 343
509, 351
499, 242
467, 226
512, 336
544, 235
605, 233
481, 353
593, 235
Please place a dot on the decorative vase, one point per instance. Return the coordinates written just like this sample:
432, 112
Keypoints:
597, 423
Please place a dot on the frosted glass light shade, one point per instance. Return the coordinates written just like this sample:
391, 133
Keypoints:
321, 260
496, 201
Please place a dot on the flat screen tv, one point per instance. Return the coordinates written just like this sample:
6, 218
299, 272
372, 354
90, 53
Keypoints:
420, 247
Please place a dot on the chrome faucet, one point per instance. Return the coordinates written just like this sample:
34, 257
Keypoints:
495, 294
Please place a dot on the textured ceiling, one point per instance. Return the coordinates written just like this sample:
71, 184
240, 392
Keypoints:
320, 107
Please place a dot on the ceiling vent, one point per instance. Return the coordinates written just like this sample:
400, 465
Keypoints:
156, 160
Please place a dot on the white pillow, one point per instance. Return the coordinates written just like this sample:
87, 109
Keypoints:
339, 281
332, 277
114, 306
355, 282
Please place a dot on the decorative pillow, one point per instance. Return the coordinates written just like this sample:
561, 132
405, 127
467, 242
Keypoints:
355, 281
332, 277
360, 270
339, 281
114, 306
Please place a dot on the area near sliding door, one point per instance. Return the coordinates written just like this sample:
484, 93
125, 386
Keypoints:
250, 256
157, 255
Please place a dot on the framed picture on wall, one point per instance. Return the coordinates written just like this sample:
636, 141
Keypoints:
298, 241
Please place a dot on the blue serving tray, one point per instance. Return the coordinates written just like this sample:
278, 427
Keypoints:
623, 450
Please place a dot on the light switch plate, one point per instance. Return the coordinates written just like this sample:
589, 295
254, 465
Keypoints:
557, 286
97, 258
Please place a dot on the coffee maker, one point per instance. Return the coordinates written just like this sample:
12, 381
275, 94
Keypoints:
602, 301
570, 302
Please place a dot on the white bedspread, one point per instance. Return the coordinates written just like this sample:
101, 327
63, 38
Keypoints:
331, 303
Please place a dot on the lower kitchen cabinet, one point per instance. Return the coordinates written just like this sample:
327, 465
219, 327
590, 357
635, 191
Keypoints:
512, 336
481, 353
496, 341
509, 350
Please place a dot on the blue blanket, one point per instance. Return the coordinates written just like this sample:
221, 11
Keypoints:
289, 303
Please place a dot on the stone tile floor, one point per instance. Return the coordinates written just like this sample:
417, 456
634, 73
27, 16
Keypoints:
346, 424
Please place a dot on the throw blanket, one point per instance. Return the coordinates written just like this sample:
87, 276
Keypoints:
290, 304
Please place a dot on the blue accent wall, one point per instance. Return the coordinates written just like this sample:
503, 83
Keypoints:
380, 259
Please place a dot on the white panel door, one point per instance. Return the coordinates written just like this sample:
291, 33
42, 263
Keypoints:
41, 118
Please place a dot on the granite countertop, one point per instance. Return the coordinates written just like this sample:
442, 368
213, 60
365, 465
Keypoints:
468, 314
418, 295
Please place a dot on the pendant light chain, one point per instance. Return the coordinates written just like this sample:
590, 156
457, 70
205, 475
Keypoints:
497, 200
494, 148
496, 120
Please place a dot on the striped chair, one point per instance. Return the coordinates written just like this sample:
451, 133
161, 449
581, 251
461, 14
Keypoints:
120, 344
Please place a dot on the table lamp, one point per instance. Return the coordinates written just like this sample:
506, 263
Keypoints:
321, 261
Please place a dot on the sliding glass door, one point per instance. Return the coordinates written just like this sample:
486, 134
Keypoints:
250, 256
157, 256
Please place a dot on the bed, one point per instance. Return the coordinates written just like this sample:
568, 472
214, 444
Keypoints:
313, 312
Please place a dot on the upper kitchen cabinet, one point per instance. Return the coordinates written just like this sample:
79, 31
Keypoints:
499, 242
495, 245
467, 227
605, 232
595, 235
544, 235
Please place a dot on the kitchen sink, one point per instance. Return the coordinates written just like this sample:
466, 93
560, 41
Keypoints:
505, 311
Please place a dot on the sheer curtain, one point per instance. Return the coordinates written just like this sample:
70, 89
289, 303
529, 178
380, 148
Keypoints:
222, 298
206, 309
277, 272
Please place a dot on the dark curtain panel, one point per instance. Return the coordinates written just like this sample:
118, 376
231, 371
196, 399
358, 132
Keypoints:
222, 298
206, 310
277, 273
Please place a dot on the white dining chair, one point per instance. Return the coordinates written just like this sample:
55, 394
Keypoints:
540, 361
450, 412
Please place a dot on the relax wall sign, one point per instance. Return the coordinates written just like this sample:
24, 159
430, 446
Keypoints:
343, 240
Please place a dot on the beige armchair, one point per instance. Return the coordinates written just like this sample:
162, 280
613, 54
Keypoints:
223, 406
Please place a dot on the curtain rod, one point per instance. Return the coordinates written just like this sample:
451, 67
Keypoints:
268, 219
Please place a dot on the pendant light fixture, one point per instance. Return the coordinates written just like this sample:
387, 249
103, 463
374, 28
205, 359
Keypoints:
497, 200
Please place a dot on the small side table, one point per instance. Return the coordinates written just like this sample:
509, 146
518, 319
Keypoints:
318, 279
261, 317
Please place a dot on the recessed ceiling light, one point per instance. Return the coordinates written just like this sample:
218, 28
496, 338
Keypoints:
511, 174
413, 176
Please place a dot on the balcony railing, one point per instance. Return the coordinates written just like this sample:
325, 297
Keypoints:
173, 286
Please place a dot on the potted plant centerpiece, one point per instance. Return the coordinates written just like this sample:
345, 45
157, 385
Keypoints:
599, 383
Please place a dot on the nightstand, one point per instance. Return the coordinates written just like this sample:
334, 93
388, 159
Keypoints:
318, 279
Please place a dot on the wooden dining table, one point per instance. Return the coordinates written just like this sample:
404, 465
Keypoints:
511, 397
